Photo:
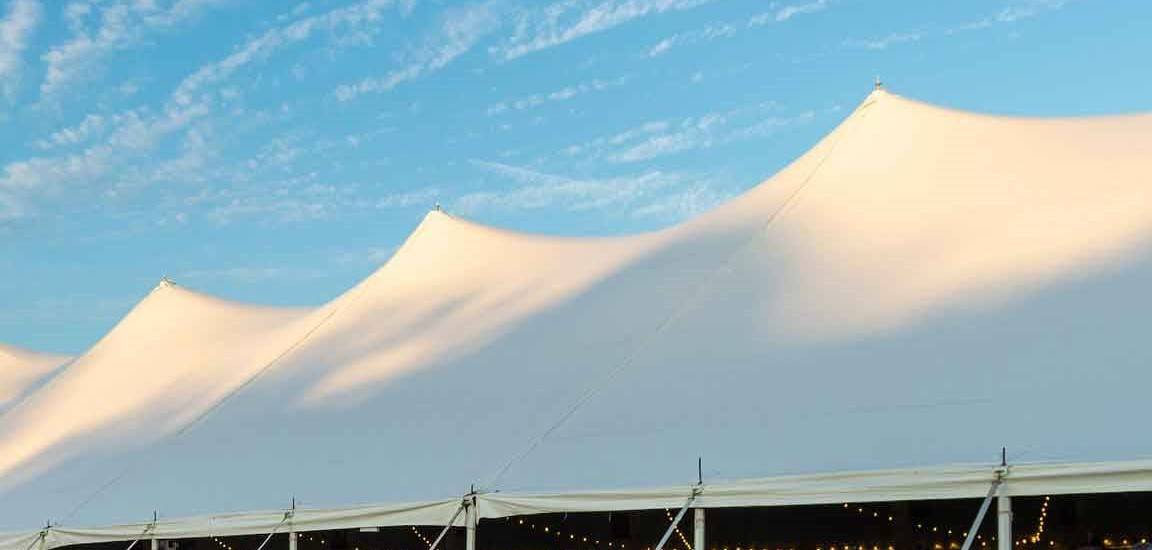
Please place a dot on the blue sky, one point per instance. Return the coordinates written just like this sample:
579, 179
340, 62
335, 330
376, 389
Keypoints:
278, 152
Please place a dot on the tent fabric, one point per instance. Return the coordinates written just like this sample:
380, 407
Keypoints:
935, 483
950, 482
22, 370
173, 357
919, 289
254, 523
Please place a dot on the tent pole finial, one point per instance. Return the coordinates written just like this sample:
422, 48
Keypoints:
878, 84
699, 470
1003, 456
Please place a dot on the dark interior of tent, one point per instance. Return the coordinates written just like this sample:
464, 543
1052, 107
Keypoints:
1120, 521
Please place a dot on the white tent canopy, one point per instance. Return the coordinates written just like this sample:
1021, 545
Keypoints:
921, 288
23, 370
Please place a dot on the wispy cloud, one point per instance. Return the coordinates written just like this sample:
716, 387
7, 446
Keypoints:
660, 138
252, 274
779, 14
1010, 15
789, 11
668, 196
711, 32
296, 199
16, 28
459, 30
568, 20
563, 94
362, 14
1027, 9
91, 125
540, 190
137, 132
99, 30
886, 41
100, 168
126, 138
697, 198
421, 197
691, 133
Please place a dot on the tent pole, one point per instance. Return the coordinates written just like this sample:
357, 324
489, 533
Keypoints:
470, 519
1004, 523
153, 543
698, 540
293, 537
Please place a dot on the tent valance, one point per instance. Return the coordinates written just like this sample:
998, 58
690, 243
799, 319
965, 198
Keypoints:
952, 482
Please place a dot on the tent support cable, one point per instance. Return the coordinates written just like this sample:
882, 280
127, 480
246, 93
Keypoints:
641, 342
679, 516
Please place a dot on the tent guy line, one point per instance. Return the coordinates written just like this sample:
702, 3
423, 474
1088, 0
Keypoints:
683, 306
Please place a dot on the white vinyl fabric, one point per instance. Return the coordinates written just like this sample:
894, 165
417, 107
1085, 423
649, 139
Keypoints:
954, 482
24, 370
921, 288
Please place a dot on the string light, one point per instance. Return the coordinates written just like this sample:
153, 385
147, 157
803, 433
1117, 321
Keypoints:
683, 539
306, 538
1036, 535
573, 536
427, 543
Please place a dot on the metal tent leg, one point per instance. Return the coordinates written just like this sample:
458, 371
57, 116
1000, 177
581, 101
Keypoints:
698, 540
293, 540
470, 520
1004, 523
